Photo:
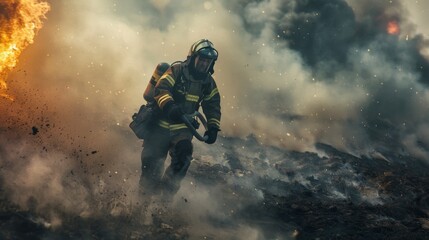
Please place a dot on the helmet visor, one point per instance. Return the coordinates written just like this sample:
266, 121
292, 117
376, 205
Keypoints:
202, 64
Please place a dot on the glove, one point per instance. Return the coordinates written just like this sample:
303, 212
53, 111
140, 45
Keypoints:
174, 113
212, 135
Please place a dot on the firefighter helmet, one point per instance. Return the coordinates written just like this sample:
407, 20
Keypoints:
202, 56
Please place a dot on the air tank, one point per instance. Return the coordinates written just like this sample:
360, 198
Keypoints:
149, 93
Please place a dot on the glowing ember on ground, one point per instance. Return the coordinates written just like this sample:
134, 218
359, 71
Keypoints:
19, 22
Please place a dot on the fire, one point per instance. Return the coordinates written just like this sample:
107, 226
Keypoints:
20, 21
392, 28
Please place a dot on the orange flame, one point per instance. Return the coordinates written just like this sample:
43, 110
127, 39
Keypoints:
20, 21
392, 28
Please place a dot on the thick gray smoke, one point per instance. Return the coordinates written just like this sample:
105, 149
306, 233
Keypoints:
357, 85
291, 74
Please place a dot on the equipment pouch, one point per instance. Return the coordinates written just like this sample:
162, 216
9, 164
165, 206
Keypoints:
142, 121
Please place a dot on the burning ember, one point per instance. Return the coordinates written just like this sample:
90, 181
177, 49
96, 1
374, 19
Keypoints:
19, 22
392, 28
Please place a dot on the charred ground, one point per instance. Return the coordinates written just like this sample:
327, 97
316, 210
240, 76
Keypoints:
279, 194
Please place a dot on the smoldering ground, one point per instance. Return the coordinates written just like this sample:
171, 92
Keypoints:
291, 74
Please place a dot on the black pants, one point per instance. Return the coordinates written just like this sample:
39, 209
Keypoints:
156, 146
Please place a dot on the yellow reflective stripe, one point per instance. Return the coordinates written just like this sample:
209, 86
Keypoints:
177, 126
169, 79
164, 124
192, 98
214, 121
214, 91
163, 99
171, 127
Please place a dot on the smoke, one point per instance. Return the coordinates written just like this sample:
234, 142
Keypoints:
291, 74
327, 71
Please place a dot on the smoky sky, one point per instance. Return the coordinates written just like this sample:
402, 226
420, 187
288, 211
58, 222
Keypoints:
345, 45
324, 32
290, 73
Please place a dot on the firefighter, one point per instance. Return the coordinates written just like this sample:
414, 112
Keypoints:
174, 91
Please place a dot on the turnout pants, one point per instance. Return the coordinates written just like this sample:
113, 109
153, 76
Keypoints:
156, 146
